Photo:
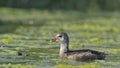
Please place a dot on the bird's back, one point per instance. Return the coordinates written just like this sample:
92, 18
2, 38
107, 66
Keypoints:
85, 55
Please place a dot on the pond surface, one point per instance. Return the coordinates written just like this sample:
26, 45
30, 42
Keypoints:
25, 40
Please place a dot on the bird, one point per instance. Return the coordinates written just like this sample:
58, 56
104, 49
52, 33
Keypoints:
78, 55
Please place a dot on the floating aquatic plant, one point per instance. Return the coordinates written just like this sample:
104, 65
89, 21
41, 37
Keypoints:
7, 40
81, 66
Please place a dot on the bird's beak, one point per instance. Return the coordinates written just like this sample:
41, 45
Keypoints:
53, 39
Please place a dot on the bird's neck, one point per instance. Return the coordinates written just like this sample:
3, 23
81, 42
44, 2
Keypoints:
64, 47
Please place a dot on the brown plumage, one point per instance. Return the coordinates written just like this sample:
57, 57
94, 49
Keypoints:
79, 55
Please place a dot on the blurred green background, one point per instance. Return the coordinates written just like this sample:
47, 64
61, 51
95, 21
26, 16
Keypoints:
81, 5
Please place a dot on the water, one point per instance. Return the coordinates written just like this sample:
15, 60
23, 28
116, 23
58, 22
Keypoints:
28, 45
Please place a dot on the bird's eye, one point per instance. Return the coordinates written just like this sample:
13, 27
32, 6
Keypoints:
60, 36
